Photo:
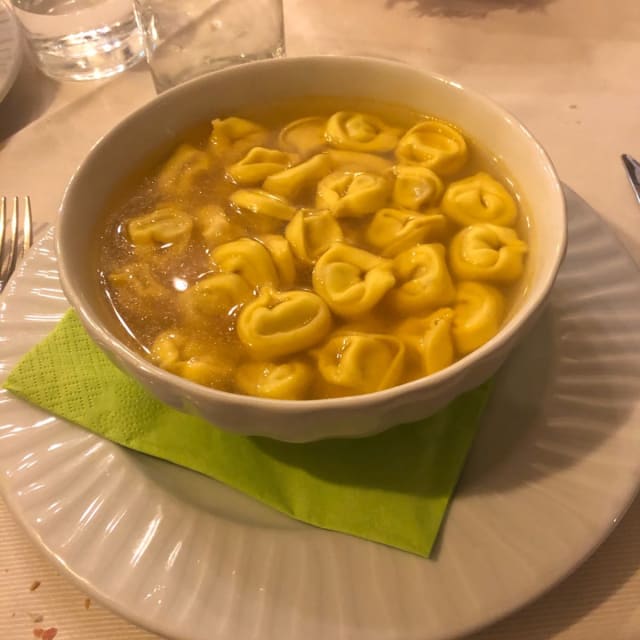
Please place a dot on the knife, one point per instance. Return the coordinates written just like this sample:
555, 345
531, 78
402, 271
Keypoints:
633, 173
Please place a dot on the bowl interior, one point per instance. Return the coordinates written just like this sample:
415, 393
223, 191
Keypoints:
156, 126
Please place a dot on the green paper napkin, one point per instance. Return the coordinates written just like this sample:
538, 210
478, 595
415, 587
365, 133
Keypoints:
392, 488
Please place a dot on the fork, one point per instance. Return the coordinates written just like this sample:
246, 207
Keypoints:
10, 248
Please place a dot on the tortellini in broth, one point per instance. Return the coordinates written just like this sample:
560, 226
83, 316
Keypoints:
163, 227
360, 132
423, 280
304, 136
311, 232
352, 194
280, 323
416, 187
352, 281
394, 230
431, 339
361, 362
213, 297
434, 144
320, 249
257, 165
181, 173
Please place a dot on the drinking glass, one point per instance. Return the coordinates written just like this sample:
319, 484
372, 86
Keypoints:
184, 39
80, 39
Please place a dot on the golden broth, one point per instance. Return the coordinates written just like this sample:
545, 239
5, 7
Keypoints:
149, 283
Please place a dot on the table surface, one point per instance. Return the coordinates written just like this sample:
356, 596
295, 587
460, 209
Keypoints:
566, 68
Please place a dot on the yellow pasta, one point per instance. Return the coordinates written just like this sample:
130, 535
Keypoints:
134, 284
434, 144
164, 227
181, 172
282, 257
279, 381
232, 137
259, 163
249, 259
263, 203
310, 233
487, 252
304, 136
315, 249
361, 362
416, 187
394, 230
214, 297
478, 314
198, 361
214, 226
360, 132
348, 194
290, 182
350, 280
431, 338
479, 198
280, 323
423, 280
358, 161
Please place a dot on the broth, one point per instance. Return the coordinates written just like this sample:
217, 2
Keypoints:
201, 255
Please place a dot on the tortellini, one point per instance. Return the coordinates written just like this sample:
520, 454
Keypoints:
358, 161
431, 338
434, 144
479, 198
416, 187
487, 252
350, 280
215, 297
263, 203
348, 194
423, 279
193, 359
257, 165
180, 173
214, 226
249, 259
135, 283
361, 362
232, 137
394, 230
290, 182
326, 254
280, 323
304, 136
280, 381
360, 132
162, 228
478, 314
282, 257
310, 233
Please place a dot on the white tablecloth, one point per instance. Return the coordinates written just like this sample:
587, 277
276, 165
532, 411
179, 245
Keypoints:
567, 68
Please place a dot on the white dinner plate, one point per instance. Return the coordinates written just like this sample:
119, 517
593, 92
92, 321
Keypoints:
10, 49
554, 466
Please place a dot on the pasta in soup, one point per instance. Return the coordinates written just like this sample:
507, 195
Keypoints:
314, 249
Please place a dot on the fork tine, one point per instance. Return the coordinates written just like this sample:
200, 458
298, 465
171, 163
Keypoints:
9, 259
13, 240
3, 225
27, 226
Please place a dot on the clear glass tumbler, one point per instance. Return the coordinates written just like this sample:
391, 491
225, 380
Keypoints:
81, 39
184, 39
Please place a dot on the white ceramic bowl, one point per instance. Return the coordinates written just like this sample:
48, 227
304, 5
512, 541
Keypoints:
157, 124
